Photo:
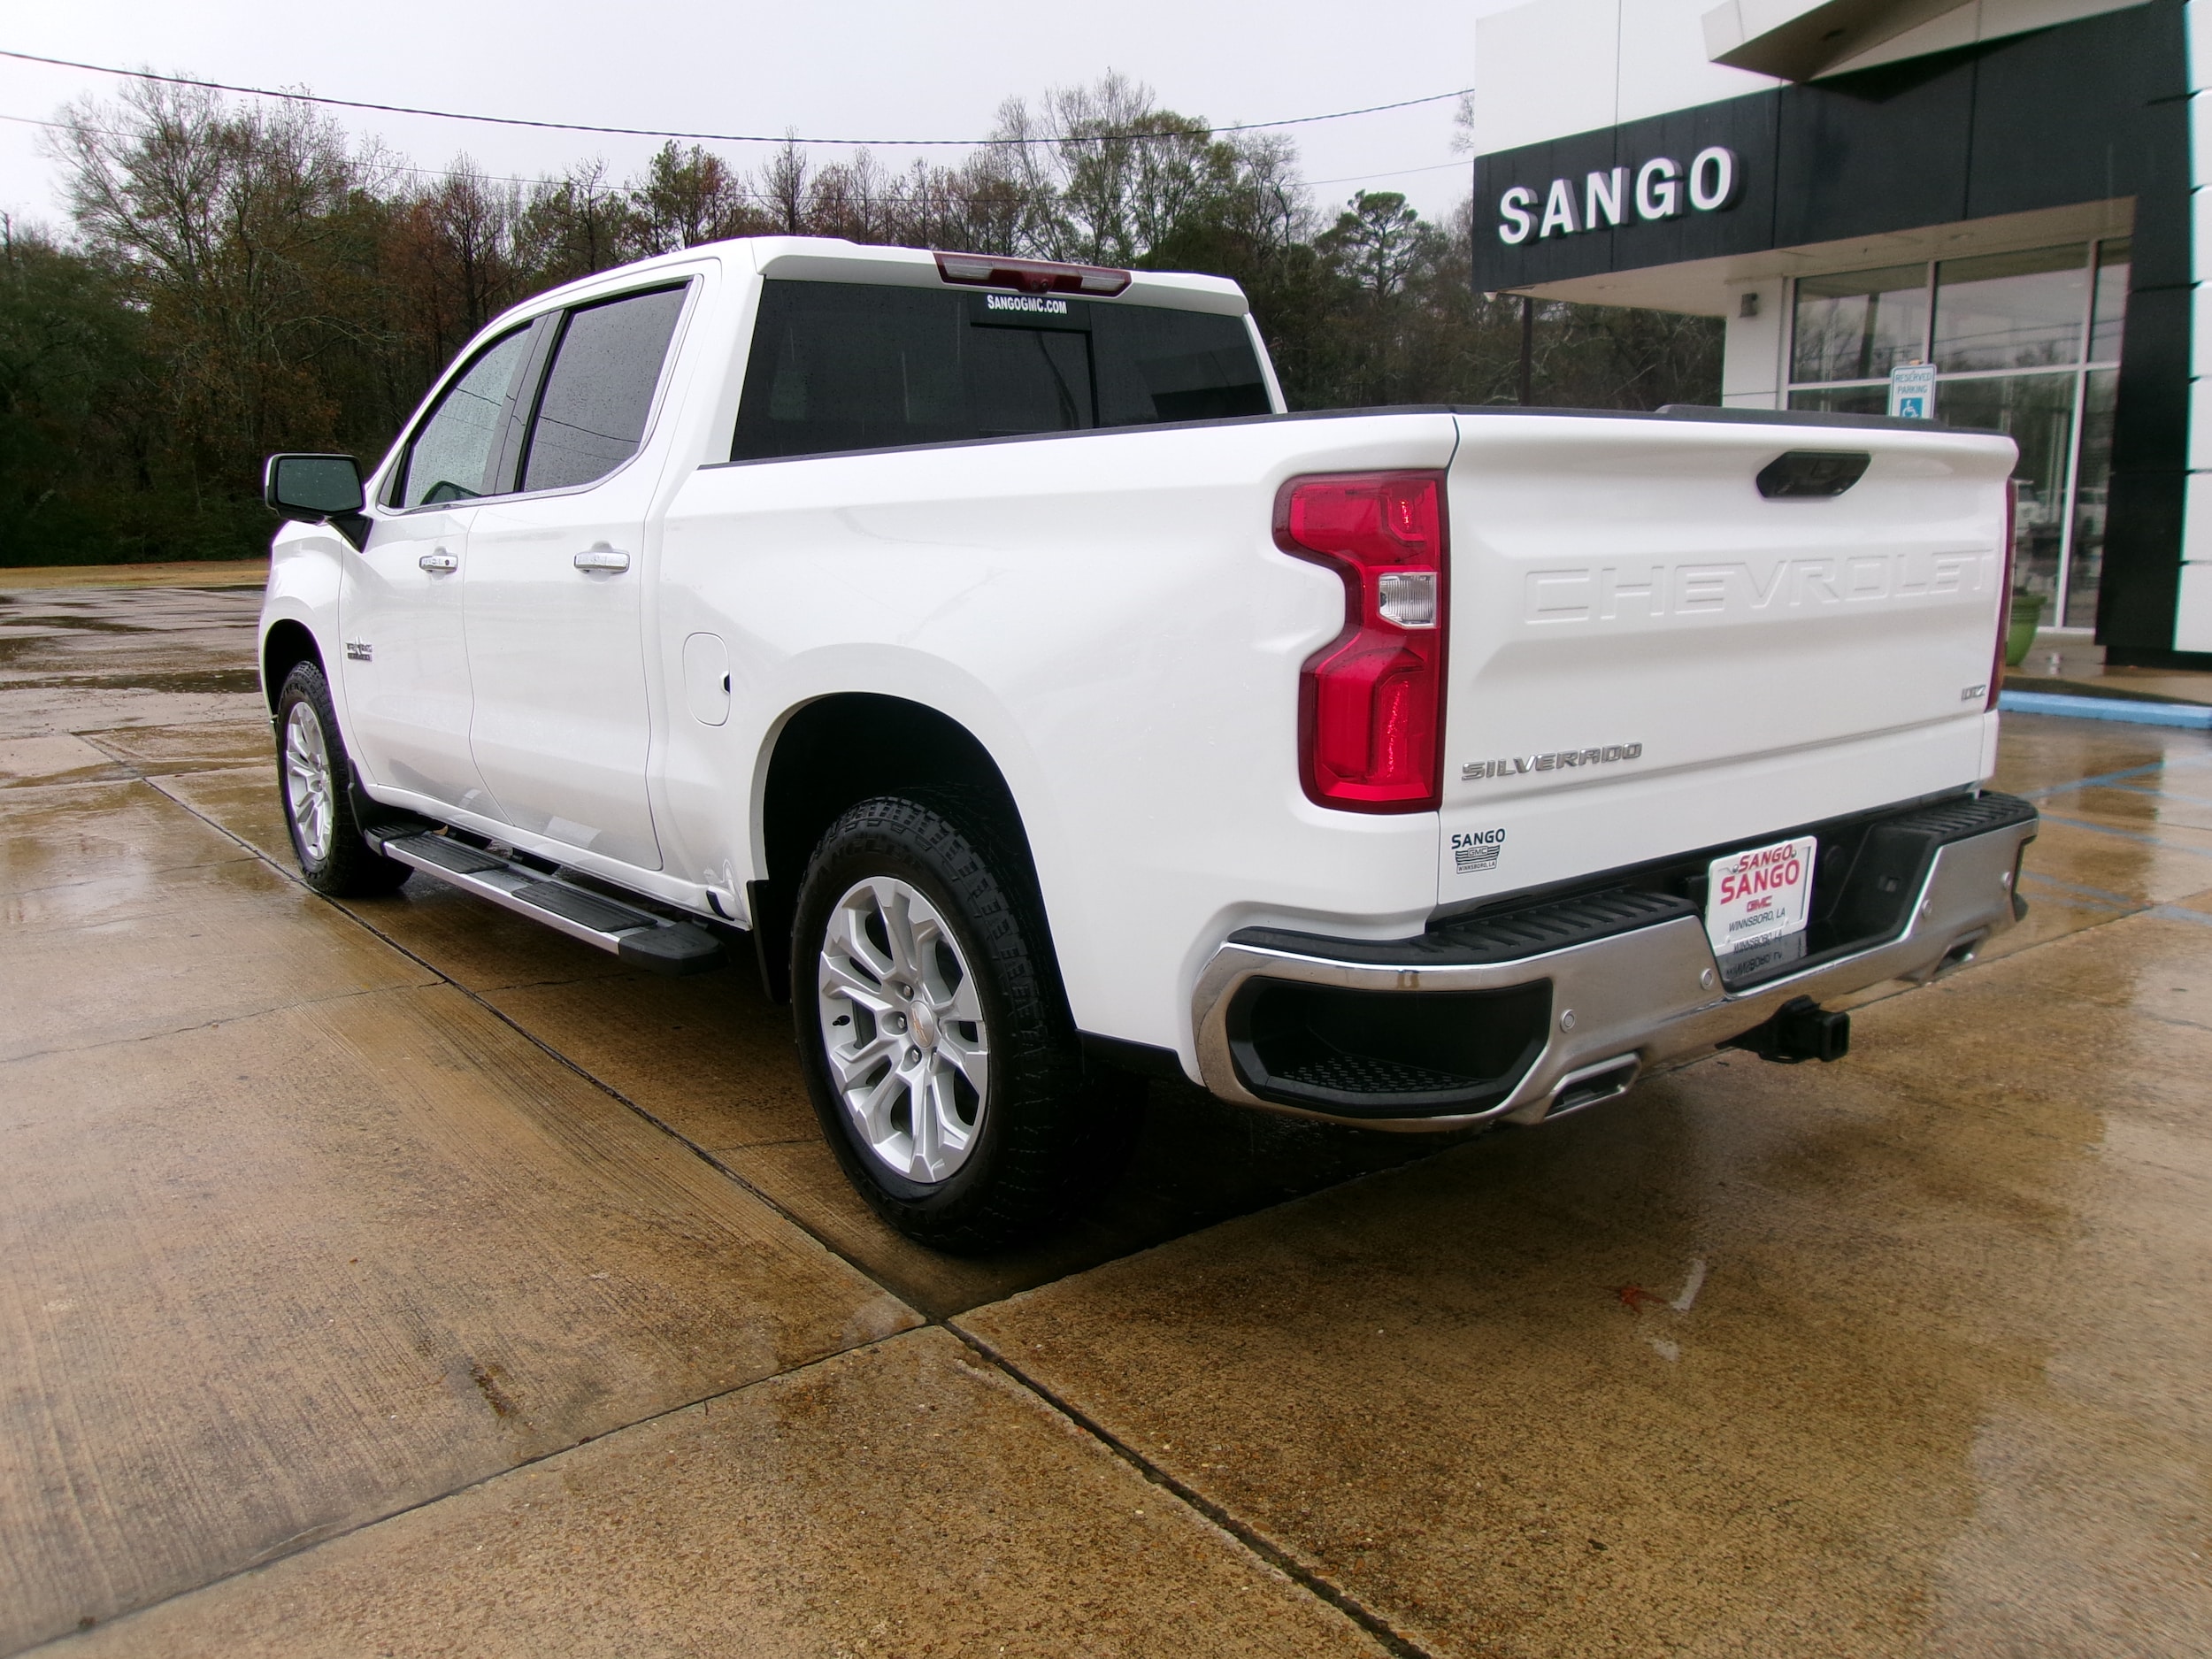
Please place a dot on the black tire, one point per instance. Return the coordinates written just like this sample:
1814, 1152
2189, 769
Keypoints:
338, 862
1048, 1132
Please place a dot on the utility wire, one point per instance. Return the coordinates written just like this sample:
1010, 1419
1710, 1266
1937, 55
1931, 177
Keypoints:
750, 195
396, 166
715, 138
1387, 173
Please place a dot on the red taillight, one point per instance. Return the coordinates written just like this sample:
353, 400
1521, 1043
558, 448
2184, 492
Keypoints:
1371, 702
1030, 276
2004, 596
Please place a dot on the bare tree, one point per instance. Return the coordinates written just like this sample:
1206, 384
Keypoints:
783, 183
241, 279
575, 225
221, 222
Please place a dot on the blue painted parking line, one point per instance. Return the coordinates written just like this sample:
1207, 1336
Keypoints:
2189, 715
2126, 836
2095, 896
2101, 780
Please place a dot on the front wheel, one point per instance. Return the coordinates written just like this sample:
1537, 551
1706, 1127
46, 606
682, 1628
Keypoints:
315, 779
939, 1055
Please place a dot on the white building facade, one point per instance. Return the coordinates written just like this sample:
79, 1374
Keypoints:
2004, 189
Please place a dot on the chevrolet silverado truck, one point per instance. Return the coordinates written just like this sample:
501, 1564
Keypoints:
982, 645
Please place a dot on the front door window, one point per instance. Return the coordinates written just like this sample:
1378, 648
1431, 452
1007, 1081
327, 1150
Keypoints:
454, 452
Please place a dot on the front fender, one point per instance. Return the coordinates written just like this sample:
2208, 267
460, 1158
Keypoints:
306, 575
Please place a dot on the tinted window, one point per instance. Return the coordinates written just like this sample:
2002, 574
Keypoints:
1860, 324
841, 367
2011, 311
591, 417
455, 449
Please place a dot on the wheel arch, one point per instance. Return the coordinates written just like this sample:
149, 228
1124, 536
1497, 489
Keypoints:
284, 647
835, 751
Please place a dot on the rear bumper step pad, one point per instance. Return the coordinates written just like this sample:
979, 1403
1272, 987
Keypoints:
637, 936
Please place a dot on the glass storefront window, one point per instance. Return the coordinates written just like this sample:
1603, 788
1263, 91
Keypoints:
2011, 311
2093, 475
1842, 400
2014, 337
1859, 325
2036, 412
2114, 263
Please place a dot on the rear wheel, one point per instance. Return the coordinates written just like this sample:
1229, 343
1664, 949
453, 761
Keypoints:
316, 783
940, 1057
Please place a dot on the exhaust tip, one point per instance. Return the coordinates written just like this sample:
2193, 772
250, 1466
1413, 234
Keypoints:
1959, 955
1593, 1084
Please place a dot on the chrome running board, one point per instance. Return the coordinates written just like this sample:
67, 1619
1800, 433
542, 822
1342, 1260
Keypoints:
636, 935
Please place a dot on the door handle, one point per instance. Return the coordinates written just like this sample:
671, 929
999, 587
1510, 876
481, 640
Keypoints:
440, 564
602, 557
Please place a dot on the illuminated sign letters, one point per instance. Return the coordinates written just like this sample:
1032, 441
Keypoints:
1661, 188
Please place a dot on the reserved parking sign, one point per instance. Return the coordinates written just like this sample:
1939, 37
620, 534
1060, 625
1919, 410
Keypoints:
1912, 391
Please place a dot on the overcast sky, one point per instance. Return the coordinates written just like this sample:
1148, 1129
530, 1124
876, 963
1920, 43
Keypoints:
869, 68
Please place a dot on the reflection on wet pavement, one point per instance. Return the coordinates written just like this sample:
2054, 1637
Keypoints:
399, 1276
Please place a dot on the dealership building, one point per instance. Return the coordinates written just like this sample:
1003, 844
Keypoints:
1999, 196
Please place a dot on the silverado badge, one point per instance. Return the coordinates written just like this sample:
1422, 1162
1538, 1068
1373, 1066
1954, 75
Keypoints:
1556, 761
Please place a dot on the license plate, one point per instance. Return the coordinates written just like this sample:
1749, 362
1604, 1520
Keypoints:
1754, 897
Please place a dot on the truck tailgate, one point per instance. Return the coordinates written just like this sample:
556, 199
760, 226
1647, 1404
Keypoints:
1648, 656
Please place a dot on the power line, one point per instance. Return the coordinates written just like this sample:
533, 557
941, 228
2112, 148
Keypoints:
750, 195
394, 166
1390, 173
715, 138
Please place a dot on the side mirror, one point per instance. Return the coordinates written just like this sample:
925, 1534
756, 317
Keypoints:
317, 487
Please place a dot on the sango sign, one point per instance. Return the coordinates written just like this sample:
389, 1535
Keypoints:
1663, 187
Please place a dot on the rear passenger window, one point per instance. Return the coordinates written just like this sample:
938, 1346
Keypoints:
454, 452
839, 367
591, 415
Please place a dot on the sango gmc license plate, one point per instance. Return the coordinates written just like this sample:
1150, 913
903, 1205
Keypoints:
1752, 897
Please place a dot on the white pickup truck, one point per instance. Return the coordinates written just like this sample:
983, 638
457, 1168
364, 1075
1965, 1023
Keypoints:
1051, 707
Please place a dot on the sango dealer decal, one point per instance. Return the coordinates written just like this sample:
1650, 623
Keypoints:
1712, 182
1474, 850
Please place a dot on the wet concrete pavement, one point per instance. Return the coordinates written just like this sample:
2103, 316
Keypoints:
402, 1278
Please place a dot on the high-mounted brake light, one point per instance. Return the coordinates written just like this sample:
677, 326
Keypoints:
1371, 702
2004, 596
1030, 276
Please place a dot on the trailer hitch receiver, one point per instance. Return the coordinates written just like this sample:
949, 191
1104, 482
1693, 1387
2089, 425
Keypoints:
1800, 1029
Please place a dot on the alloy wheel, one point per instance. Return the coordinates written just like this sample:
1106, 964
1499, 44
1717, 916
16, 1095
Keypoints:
309, 787
902, 1029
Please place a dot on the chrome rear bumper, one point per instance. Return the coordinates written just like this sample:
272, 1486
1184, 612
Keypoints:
1622, 1003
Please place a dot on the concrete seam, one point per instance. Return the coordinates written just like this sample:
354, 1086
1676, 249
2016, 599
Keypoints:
563, 1061
211, 1024
1393, 1641
305, 1543
1396, 1643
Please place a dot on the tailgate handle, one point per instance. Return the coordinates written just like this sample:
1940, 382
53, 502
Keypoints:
1812, 474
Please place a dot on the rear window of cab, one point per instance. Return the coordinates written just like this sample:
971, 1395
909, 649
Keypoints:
837, 367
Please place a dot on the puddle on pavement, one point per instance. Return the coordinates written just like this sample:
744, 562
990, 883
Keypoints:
77, 624
1755, 1354
198, 680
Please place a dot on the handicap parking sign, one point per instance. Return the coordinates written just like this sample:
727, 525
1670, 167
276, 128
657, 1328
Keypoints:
1912, 391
